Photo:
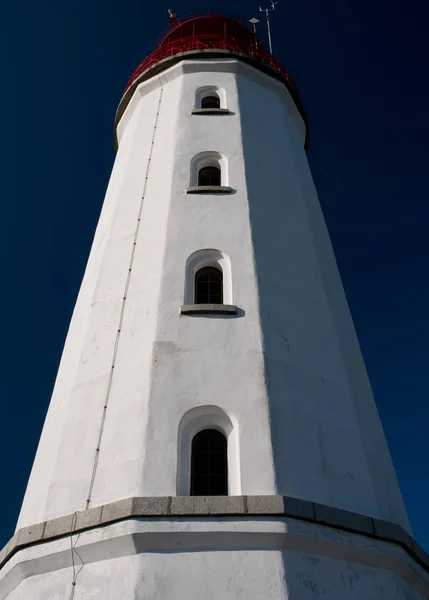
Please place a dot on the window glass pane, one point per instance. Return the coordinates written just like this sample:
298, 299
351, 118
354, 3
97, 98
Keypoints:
201, 463
209, 176
218, 485
217, 464
214, 299
217, 443
203, 286
208, 286
209, 464
210, 102
201, 443
201, 486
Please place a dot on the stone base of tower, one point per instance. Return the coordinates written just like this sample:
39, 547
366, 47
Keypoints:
211, 556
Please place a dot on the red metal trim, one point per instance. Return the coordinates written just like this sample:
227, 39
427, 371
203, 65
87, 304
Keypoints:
195, 16
207, 35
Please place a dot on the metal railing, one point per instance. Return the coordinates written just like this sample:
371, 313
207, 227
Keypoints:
210, 42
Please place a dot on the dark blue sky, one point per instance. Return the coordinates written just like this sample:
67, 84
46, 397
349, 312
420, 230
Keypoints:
362, 71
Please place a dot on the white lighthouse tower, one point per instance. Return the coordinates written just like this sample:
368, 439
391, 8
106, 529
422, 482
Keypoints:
212, 432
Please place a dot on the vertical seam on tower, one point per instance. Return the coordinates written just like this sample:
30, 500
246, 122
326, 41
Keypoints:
124, 299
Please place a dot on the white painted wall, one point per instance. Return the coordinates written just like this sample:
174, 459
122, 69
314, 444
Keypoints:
224, 575
327, 437
287, 370
223, 559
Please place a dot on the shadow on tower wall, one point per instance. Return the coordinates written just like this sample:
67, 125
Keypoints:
327, 441
305, 380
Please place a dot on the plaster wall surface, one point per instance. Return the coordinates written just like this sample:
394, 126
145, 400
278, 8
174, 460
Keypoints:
223, 575
286, 369
62, 469
318, 389
225, 558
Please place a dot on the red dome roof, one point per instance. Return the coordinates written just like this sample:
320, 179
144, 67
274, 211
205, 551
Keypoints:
209, 36
211, 32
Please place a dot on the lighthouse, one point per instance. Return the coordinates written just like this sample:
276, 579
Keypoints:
212, 432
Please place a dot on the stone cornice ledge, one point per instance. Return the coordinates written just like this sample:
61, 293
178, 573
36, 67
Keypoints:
208, 309
210, 111
213, 506
209, 189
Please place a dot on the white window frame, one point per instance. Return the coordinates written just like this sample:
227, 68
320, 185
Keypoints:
208, 258
209, 159
210, 90
194, 421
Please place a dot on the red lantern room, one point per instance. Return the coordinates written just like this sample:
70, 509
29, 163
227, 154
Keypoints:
208, 36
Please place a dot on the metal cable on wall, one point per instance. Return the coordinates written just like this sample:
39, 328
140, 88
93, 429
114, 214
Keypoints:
124, 299
74, 552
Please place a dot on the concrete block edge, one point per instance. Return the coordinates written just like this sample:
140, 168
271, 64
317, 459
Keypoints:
215, 506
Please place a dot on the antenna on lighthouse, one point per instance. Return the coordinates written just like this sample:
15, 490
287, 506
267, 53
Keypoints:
172, 15
253, 20
267, 16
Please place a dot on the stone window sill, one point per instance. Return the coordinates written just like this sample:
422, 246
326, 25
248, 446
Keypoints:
208, 309
209, 189
210, 111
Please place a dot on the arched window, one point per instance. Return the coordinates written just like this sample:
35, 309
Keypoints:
196, 275
210, 102
209, 170
210, 96
199, 420
209, 286
209, 176
209, 464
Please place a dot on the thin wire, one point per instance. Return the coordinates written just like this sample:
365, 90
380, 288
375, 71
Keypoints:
124, 299
73, 552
